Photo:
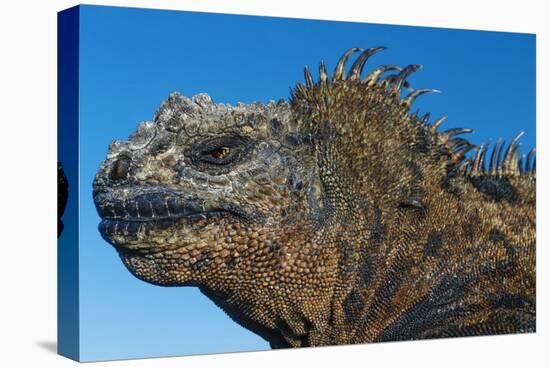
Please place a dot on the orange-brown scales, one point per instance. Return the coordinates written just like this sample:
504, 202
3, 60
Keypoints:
335, 218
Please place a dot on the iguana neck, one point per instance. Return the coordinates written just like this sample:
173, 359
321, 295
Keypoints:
323, 315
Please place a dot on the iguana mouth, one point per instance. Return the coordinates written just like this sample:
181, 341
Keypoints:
126, 217
133, 225
144, 207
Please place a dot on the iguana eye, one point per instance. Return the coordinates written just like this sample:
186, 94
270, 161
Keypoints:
218, 153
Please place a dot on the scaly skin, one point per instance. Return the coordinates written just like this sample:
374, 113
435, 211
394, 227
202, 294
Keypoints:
335, 218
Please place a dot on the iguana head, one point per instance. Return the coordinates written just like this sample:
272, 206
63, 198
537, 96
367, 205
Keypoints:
208, 192
269, 208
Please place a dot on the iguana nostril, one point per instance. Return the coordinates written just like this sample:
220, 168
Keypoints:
120, 169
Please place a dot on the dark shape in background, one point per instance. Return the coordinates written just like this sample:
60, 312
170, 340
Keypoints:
62, 196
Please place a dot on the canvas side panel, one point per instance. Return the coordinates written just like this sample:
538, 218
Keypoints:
68, 154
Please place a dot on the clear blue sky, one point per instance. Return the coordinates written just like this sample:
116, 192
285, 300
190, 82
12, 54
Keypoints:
131, 59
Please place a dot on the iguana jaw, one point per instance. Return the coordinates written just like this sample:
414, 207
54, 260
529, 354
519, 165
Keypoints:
145, 221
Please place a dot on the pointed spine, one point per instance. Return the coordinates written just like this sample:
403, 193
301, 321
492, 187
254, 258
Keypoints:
374, 75
323, 76
438, 123
465, 167
478, 166
449, 134
530, 162
308, 77
510, 159
403, 75
425, 119
460, 147
340, 70
357, 67
495, 158
410, 98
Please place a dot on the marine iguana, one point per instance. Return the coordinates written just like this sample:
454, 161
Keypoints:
337, 217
